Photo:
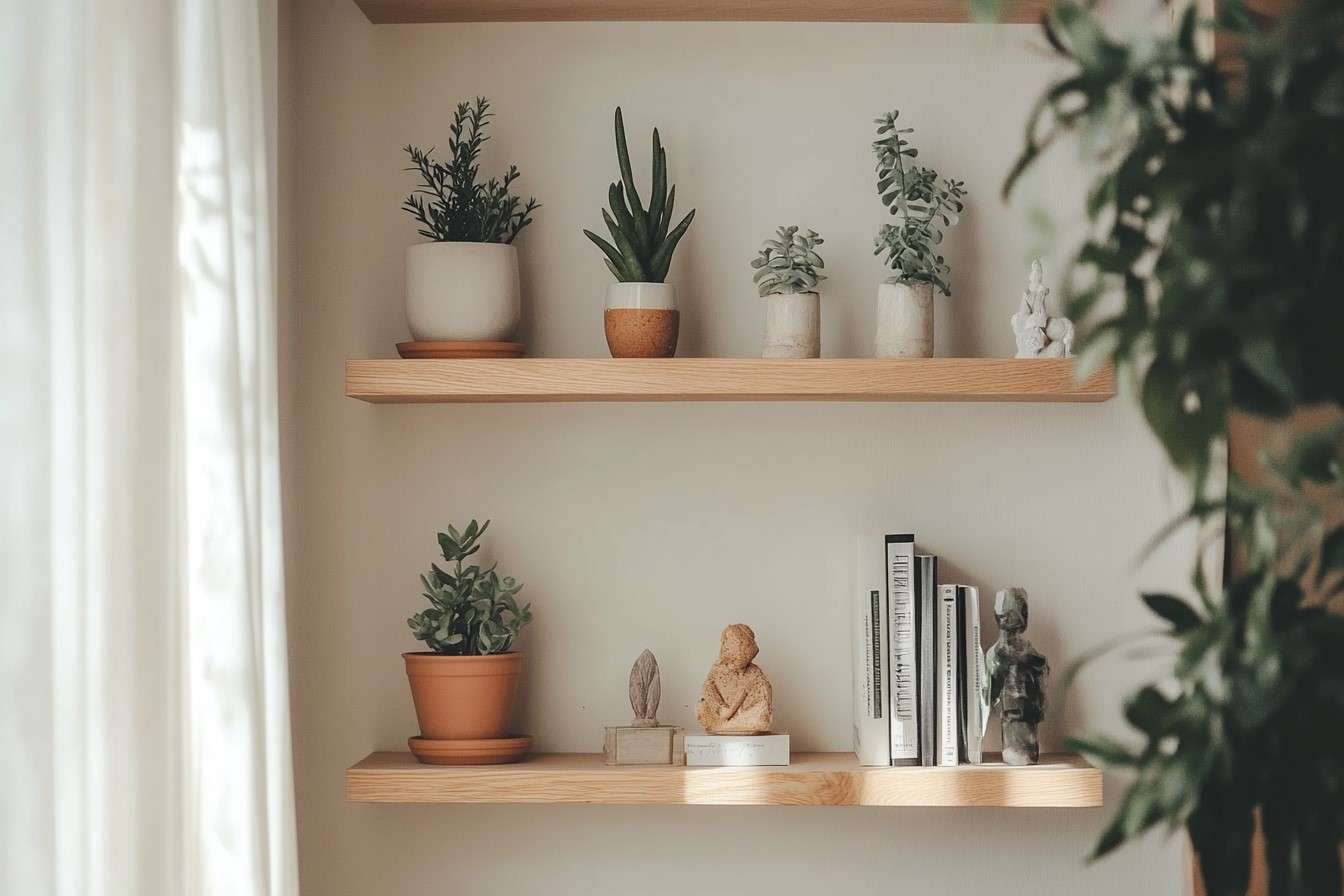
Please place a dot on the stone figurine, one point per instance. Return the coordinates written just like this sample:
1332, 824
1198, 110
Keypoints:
1017, 677
1038, 334
736, 698
646, 690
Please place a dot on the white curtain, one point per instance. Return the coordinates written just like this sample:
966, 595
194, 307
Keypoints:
144, 735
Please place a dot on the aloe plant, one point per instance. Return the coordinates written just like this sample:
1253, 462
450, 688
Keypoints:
788, 264
642, 243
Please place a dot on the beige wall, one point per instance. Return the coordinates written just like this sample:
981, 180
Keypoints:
654, 525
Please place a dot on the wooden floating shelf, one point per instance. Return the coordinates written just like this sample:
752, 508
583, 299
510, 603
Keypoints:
383, 12
1062, 781
722, 379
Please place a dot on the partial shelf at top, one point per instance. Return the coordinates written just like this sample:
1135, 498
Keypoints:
724, 379
382, 12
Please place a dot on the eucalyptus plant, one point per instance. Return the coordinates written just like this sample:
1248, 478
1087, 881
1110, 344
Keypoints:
923, 203
789, 263
642, 239
450, 204
473, 611
1212, 279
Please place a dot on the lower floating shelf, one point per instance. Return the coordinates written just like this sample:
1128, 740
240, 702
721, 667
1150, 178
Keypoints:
814, 779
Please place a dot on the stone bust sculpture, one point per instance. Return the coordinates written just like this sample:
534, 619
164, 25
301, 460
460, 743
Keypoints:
736, 698
1017, 678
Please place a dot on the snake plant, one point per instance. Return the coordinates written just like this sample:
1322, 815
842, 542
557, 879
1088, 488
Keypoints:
642, 243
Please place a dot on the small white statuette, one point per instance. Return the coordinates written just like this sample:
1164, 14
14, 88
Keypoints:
1038, 334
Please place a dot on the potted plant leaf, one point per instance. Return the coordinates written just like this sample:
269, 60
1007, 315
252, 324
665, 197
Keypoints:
462, 285
787, 274
641, 318
1211, 278
924, 205
463, 686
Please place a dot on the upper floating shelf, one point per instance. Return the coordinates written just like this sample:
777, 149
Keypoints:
723, 379
1062, 781
383, 12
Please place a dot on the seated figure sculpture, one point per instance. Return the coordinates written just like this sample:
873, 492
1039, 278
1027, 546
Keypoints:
736, 698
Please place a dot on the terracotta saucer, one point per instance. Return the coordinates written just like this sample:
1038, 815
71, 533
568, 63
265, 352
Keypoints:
460, 349
492, 751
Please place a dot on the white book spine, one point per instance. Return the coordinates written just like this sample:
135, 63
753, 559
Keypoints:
872, 730
946, 661
975, 677
904, 686
763, 749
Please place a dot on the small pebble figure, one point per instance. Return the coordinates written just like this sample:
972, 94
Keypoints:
736, 698
1038, 334
1017, 677
646, 690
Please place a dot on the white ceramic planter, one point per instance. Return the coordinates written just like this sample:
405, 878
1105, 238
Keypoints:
641, 320
462, 292
792, 326
904, 321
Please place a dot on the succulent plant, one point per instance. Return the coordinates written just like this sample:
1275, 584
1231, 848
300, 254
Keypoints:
923, 203
642, 243
474, 612
789, 263
460, 210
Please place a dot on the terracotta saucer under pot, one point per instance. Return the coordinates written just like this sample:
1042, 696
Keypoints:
488, 751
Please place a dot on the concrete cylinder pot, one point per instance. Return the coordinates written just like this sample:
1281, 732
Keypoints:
792, 325
462, 292
904, 320
641, 320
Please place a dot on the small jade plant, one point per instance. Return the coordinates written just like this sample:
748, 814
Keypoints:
923, 203
642, 240
474, 612
789, 263
451, 206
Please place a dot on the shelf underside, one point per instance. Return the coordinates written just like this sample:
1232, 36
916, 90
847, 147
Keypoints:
382, 12
814, 779
722, 379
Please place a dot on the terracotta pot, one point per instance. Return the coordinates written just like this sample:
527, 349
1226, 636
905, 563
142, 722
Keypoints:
463, 697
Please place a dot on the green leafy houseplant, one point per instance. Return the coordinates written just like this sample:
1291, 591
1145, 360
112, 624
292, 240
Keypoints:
923, 203
789, 263
450, 204
473, 611
642, 239
1212, 279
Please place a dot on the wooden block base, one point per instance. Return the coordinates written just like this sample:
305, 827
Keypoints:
663, 745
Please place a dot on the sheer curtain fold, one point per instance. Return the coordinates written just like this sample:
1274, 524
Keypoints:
143, 644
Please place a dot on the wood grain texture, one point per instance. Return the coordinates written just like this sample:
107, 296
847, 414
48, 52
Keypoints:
722, 379
814, 779
382, 12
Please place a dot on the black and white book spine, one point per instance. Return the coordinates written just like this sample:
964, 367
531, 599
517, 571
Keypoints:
926, 602
971, 674
868, 632
904, 689
945, 664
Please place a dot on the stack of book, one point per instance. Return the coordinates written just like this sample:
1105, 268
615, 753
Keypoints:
921, 696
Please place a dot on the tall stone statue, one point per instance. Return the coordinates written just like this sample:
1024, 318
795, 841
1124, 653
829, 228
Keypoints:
646, 690
1038, 334
1017, 678
736, 698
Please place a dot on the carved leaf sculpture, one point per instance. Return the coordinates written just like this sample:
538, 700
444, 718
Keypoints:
645, 690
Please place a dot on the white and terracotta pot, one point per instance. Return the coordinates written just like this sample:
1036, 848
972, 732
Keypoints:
462, 292
641, 320
792, 326
904, 320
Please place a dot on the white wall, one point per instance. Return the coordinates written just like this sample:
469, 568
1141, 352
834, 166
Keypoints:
655, 525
